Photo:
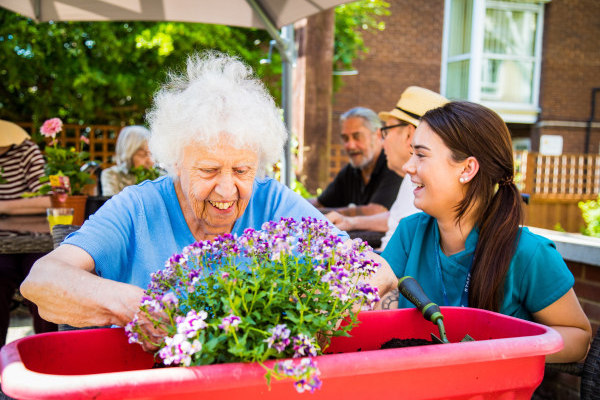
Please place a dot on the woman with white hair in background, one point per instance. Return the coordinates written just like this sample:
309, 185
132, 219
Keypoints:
215, 129
131, 152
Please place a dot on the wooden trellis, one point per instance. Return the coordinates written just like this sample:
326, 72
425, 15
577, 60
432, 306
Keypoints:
567, 176
102, 140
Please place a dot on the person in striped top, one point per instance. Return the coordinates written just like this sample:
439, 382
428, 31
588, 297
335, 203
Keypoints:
21, 167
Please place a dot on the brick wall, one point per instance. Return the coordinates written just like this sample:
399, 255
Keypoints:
587, 287
573, 137
570, 69
408, 52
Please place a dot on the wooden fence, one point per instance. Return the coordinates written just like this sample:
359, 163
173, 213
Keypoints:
568, 176
102, 140
556, 184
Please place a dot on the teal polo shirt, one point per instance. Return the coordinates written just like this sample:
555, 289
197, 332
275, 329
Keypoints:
536, 278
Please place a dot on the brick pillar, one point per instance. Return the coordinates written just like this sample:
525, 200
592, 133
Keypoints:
312, 98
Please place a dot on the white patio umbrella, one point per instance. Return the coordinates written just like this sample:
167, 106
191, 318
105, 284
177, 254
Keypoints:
265, 14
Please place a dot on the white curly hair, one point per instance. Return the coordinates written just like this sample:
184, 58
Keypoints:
218, 95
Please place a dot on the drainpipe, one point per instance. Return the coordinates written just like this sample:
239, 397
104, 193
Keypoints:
588, 129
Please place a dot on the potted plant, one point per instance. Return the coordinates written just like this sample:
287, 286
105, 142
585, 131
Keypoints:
264, 295
298, 280
69, 190
142, 173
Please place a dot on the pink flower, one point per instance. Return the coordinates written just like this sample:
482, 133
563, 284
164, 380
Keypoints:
84, 139
51, 127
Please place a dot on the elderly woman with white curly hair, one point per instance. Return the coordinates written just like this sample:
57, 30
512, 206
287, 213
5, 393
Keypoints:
215, 129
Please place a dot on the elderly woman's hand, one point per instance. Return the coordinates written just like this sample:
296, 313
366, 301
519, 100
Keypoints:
152, 336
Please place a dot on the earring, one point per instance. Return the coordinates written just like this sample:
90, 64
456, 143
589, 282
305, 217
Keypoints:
461, 180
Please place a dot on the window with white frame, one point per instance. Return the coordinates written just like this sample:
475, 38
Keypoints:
492, 55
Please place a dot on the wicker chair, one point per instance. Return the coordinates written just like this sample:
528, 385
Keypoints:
589, 371
60, 232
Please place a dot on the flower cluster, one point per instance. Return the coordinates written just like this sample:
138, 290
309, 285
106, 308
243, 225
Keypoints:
305, 373
62, 162
265, 294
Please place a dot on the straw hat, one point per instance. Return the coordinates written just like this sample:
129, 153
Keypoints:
11, 133
414, 102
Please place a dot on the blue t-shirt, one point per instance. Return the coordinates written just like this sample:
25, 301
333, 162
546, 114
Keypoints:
536, 278
135, 232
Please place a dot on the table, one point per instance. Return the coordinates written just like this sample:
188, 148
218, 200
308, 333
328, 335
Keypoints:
25, 234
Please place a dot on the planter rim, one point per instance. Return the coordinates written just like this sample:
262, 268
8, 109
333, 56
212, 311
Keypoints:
537, 341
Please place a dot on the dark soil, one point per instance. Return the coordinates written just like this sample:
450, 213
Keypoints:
396, 343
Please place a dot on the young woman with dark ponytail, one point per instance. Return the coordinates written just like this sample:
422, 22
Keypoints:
468, 248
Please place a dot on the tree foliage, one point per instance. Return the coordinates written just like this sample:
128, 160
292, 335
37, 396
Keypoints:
103, 72
352, 21
107, 72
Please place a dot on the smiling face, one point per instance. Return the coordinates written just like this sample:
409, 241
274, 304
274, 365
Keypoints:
361, 145
397, 144
435, 174
215, 185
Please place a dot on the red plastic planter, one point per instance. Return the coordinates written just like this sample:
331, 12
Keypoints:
506, 360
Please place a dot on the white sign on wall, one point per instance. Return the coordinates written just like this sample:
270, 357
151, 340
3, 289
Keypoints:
551, 145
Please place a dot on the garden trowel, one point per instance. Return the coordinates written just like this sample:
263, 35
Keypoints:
411, 289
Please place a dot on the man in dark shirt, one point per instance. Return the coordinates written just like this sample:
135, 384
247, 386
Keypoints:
366, 185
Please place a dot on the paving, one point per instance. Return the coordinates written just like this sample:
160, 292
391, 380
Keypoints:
21, 324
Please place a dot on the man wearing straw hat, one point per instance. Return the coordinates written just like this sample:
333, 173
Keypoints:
399, 127
21, 166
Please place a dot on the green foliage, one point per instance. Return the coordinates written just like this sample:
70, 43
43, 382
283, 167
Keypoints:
590, 211
66, 162
107, 72
299, 188
352, 21
142, 173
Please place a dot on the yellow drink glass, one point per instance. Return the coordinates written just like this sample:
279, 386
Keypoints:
59, 216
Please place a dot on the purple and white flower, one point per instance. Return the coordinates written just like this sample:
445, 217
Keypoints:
230, 323
191, 323
178, 350
280, 337
304, 346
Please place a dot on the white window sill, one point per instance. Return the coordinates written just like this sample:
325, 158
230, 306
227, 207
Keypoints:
573, 246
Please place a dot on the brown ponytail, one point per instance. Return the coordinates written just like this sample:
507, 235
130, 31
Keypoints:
469, 129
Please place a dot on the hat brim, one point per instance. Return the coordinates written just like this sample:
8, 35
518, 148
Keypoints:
11, 133
399, 115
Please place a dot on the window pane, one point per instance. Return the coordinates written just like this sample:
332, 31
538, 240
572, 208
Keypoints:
507, 80
510, 32
460, 27
457, 81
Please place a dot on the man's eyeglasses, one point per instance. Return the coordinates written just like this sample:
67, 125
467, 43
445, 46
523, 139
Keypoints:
384, 129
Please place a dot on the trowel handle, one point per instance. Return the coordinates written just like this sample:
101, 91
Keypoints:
411, 289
